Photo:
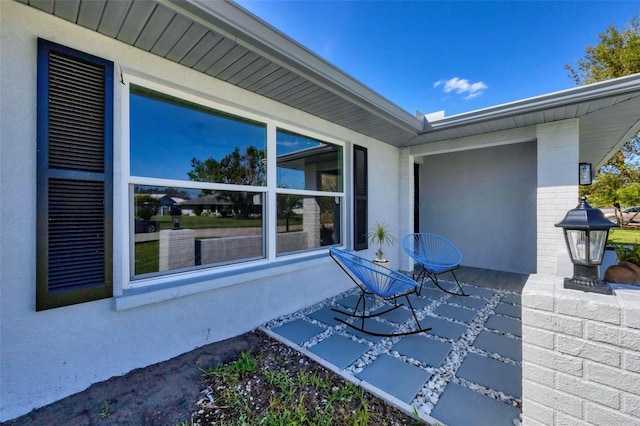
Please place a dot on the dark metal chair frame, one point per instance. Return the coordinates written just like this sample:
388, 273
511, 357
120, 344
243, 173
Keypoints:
436, 255
378, 280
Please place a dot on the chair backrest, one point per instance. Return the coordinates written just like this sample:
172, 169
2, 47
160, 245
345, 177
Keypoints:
372, 277
431, 249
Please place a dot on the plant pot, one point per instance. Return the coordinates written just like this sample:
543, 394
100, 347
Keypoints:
623, 273
382, 262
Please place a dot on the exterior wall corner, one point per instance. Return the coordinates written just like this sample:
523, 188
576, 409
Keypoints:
558, 158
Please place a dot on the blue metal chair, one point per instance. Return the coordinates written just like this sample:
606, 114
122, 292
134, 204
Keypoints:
378, 280
436, 255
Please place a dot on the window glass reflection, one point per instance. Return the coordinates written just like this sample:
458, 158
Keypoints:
306, 163
178, 229
175, 139
306, 223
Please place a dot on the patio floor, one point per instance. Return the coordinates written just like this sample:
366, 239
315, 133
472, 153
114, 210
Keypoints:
465, 371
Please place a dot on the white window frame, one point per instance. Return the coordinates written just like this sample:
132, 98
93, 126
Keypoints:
123, 225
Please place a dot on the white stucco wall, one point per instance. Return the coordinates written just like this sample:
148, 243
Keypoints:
556, 161
47, 355
384, 175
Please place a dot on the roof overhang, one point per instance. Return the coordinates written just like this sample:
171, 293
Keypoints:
299, 160
225, 41
609, 114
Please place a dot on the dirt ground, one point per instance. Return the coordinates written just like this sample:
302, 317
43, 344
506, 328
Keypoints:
161, 394
168, 393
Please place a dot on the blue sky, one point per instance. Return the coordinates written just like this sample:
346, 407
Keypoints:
452, 56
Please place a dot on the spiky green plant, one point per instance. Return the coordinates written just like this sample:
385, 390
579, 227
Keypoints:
379, 234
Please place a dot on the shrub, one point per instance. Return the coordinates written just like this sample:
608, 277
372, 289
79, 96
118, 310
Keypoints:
146, 206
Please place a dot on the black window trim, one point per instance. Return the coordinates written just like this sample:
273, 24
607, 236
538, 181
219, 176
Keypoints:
360, 241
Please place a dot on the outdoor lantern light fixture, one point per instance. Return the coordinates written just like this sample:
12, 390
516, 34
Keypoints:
176, 213
586, 231
584, 174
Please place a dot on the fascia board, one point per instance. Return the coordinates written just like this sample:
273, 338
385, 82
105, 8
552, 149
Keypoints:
576, 95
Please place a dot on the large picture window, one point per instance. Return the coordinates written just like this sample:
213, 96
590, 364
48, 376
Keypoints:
199, 187
190, 168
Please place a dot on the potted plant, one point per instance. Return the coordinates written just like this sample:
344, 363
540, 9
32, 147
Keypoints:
379, 235
626, 267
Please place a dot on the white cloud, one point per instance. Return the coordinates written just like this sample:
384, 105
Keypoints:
462, 86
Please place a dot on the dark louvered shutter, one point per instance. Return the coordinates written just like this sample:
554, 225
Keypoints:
75, 133
360, 189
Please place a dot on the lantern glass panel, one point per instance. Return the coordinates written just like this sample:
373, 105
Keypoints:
586, 247
598, 240
577, 242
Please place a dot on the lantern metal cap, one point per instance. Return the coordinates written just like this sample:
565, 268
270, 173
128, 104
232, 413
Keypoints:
585, 217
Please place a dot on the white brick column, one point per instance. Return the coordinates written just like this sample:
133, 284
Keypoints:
406, 205
581, 362
581, 355
558, 158
311, 221
177, 249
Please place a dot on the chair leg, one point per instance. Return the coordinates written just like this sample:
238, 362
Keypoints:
364, 316
434, 278
419, 329
462, 293
373, 333
363, 297
420, 279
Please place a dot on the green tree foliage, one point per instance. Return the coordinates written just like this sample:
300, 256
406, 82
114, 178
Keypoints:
616, 55
629, 194
248, 168
146, 206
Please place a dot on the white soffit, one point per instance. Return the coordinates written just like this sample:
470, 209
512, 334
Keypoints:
225, 41
609, 113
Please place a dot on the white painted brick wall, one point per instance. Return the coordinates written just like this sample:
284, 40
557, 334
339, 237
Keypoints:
565, 420
581, 355
631, 361
631, 405
631, 317
406, 207
553, 322
556, 400
177, 249
539, 374
588, 391
582, 348
539, 337
599, 415
588, 309
540, 413
558, 159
